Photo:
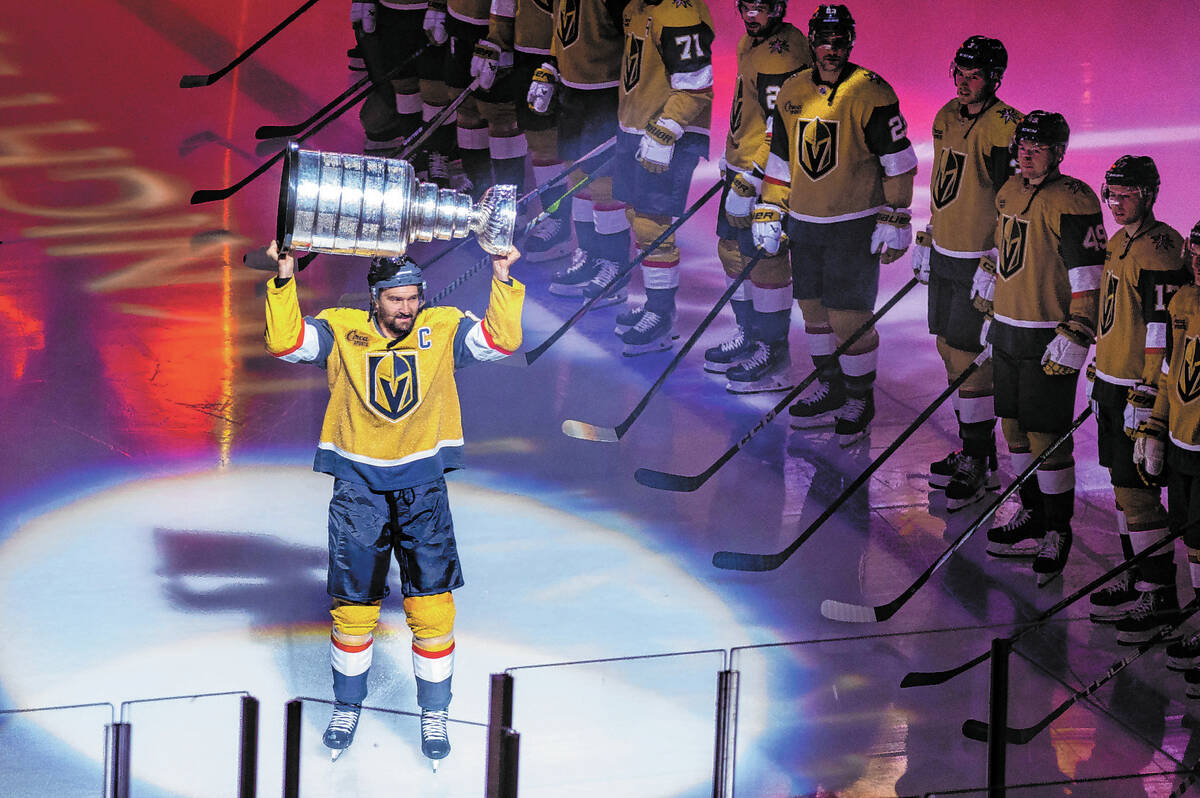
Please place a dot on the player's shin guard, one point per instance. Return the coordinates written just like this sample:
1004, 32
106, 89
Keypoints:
431, 619
508, 159
351, 649
476, 159
1146, 524
772, 311
660, 268
583, 217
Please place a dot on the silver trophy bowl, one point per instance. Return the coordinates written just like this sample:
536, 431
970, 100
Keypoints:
347, 204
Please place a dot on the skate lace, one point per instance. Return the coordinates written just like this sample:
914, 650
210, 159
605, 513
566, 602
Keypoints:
1051, 546
433, 724
971, 468
547, 229
735, 343
815, 393
853, 409
647, 322
579, 260
439, 166
1016, 521
606, 274
630, 316
1146, 606
343, 720
759, 358
1122, 585
1189, 643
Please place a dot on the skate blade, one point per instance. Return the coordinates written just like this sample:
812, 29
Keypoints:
1013, 550
560, 289
434, 764
370, 145
709, 366
608, 301
848, 440
334, 753
814, 422
938, 482
954, 505
1182, 664
765, 385
633, 350
553, 253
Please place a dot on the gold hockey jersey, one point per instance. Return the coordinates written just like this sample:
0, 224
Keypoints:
832, 145
971, 162
1051, 242
588, 42
1178, 401
393, 415
763, 66
1140, 275
474, 12
522, 25
667, 66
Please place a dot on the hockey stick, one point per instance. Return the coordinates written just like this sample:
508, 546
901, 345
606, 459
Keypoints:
591, 432
217, 194
194, 81
540, 349
282, 131
859, 613
930, 678
978, 730
743, 561
662, 480
415, 139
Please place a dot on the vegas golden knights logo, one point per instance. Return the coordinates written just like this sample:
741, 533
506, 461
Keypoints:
568, 22
545, 5
633, 62
735, 113
1108, 303
1013, 234
393, 390
1189, 376
949, 177
818, 141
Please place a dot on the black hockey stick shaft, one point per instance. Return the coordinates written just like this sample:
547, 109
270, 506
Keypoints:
978, 730
583, 431
662, 480
418, 137
194, 81
217, 194
540, 349
743, 561
841, 611
930, 678
281, 131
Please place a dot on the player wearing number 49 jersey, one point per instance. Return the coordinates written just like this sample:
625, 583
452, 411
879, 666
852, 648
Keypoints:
1043, 290
841, 168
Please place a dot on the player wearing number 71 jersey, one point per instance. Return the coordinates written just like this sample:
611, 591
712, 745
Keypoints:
841, 168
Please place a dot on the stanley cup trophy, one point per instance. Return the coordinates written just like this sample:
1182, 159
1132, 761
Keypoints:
361, 205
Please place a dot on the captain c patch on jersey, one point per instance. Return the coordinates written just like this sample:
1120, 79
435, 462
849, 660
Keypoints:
818, 143
393, 388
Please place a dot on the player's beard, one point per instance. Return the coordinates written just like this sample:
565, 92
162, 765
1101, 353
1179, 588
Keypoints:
398, 325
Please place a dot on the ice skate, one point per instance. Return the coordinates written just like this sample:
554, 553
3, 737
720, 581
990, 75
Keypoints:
1051, 557
768, 368
652, 333
727, 354
551, 238
435, 739
340, 731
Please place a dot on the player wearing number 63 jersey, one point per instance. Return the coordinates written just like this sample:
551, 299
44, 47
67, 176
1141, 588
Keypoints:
841, 167
1050, 237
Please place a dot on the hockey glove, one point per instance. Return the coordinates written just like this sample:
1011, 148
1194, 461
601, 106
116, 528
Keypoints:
893, 234
739, 202
541, 89
1089, 387
363, 14
1149, 450
658, 144
1139, 402
487, 60
767, 228
1067, 351
983, 285
920, 256
435, 23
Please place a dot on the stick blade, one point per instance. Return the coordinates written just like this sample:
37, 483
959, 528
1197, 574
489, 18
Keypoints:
660, 480
927, 678
195, 81
274, 131
850, 613
974, 729
589, 432
744, 561
204, 195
